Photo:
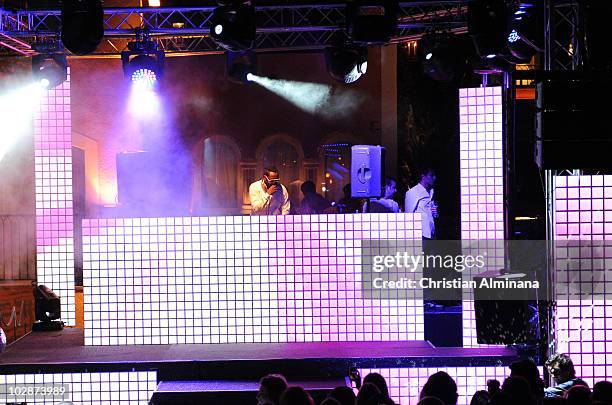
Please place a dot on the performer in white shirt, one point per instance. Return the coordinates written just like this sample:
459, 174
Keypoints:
420, 199
268, 195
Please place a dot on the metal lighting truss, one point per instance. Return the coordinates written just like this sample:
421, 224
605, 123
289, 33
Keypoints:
186, 29
563, 35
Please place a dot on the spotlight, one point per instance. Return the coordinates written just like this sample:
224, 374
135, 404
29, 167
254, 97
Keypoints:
233, 26
48, 310
241, 66
82, 25
523, 32
49, 69
493, 65
442, 57
487, 26
346, 63
371, 22
143, 64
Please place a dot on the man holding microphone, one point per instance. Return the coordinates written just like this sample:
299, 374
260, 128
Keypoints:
268, 195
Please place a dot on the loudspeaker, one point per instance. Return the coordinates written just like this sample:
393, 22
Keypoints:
367, 171
505, 315
82, 25
371, 22
572, 131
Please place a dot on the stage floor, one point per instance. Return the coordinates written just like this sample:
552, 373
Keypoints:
66, 347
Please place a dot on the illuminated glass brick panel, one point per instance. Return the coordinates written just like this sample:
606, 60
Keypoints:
105, 388
241, 279
482, 182
405, 384
54, 216
583, 211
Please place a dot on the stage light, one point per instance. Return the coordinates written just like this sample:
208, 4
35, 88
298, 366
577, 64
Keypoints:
314, 98
346, 63
82, 25
142, 70
308, 97
233, 26
240, 66
493, 64
487, 26
371, 22
143, 64
144, 103
524, 32
49, 70
442, 57
47, 309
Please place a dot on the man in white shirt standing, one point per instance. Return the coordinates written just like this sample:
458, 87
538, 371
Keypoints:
268, 195
420, 199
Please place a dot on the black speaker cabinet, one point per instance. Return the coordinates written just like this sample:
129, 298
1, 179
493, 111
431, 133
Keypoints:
572, 129
506, 315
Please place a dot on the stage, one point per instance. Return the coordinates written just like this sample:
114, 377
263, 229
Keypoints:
64, 351
202, 371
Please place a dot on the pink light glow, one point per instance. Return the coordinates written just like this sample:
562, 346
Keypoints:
405, 384
53, 177
480, 145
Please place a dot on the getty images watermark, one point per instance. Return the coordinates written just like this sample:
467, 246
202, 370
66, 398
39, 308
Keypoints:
491, 270
459, 263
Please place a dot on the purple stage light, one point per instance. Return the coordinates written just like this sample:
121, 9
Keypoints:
513, 36
146, 78
144, 102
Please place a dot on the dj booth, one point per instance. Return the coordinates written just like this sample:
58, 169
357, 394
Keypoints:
241, 279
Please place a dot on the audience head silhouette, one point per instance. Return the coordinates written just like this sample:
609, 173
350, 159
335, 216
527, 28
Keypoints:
330, 401
442, 386
602, 392
344, 395
271, 387
369, 394
518, 391
578, 395
430, 401
296, 396
481, 398
529, 371
379, 381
